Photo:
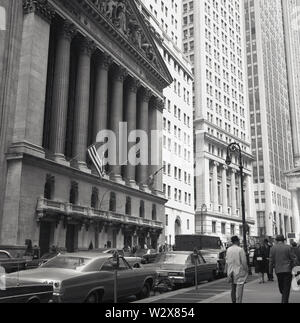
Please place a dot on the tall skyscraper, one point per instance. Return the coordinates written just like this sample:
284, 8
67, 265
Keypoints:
269, 115
166, 19
214, 41
291, 10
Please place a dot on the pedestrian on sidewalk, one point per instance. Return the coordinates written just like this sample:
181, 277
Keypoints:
237, 270
268, 246
283, 259
296, 250
260, 262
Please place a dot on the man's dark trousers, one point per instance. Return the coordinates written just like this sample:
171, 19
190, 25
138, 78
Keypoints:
285, 284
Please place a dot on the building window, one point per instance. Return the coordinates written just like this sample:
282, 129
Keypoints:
74, 193
95, 199
232, 229
142, 209
2, 18
167, 220
112, 202
214, 227
224, 228
49, 187
128, 206
154, 213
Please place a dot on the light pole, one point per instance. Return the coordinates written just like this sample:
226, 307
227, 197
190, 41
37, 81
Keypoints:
236, 148
203, 210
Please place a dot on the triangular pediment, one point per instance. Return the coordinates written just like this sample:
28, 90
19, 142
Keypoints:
125, 16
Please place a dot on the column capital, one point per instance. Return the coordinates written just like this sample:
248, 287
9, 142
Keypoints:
233, 171
39, 7
225, 167
147, 94
120, 74
216, 164
105, 61
87, 46
159, 104
68, 30
134, 85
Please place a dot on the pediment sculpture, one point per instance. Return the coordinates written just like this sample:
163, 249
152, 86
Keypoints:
121, 15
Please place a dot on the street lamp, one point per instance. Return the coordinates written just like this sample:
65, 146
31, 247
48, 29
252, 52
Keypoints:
236, 148
203, 210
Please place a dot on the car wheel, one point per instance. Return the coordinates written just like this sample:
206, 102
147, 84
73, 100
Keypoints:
93, 298
145, 292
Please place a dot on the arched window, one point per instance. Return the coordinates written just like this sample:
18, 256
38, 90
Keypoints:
154, 212
142, 209
128, 206
74, 193
112, 202
49, 187
2, 18
95, 198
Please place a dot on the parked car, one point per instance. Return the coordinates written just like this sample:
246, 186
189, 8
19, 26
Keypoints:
216, 257
11, 264
179, 266
29, 293
148, 256
38, 262
133, 260
88, 277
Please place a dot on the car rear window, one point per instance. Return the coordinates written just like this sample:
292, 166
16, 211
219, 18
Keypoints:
62, 262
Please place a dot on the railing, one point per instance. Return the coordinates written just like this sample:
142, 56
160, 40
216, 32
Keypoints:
68, 209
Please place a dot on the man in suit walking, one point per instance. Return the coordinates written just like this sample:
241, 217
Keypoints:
283, 259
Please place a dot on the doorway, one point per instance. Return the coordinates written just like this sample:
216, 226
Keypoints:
71, 238
45, 237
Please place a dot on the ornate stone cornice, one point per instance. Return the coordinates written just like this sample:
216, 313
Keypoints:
39, 7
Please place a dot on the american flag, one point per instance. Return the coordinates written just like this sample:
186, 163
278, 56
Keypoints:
97, 161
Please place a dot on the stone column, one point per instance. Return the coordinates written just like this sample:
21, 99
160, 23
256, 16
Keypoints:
143, 124
82, 101
32, 78
117, 117
61, 92
101, 94
215, 187
233, 193
224, 189
296, 213
130, 118
155, 150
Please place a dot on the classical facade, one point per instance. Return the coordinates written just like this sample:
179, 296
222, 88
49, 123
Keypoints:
213, 41
270, 118
178, 145
72, 69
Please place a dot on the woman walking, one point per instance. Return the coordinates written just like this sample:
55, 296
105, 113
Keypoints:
260, 261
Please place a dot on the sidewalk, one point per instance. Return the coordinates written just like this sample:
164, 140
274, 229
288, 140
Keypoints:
256, 293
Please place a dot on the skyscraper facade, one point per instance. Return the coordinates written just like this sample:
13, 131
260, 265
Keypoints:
291, 10
214, 42
178, 185
271, 134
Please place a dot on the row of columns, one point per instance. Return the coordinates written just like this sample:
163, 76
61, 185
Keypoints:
82, 104
224, 185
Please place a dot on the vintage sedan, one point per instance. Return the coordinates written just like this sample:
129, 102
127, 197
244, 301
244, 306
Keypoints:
216, 257
88, 277
11, 264
180, 268
134, 261
29, 293
35, 263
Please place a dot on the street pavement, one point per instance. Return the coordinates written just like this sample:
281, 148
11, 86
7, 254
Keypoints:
219, 292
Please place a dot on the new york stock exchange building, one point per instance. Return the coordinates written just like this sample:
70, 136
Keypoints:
70, 69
